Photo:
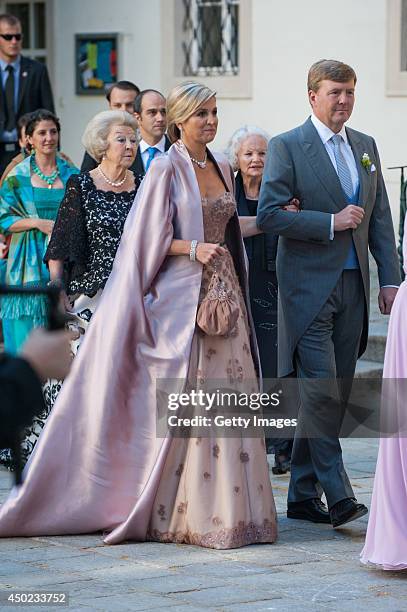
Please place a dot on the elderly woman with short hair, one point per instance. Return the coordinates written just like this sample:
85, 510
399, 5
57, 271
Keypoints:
91, 218
90, 221
246, 152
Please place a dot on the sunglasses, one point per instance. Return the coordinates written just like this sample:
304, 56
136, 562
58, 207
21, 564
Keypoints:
10, 37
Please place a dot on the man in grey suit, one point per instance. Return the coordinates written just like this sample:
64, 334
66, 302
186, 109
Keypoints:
323, 277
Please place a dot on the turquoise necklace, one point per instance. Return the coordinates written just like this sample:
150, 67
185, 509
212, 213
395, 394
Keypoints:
49, 179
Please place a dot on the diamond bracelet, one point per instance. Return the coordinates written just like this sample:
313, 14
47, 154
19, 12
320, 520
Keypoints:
192, 250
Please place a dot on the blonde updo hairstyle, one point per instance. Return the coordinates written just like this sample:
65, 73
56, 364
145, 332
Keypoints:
183, 100
95, 136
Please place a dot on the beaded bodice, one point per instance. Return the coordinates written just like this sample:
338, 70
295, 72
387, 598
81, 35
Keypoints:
216, 214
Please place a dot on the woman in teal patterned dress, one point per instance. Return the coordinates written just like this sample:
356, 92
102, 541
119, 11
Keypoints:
29, 202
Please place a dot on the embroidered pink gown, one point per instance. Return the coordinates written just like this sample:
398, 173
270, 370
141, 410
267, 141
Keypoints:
214, 491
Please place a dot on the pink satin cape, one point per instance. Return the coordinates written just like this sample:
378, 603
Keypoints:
98, 462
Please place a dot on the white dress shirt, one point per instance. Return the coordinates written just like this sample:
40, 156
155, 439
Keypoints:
144, 146
325, 134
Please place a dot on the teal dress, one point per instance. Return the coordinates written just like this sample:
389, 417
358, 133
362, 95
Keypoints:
47, 202
25, 266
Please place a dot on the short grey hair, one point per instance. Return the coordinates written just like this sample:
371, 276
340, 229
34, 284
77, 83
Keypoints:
238, 138
95, 136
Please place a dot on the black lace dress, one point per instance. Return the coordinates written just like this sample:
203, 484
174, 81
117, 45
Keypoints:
85, 237
262, 252
87, 233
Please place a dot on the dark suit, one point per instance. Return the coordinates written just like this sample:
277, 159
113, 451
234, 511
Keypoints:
34, 92
324, 308
88, 163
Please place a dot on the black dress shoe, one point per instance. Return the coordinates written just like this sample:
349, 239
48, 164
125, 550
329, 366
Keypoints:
309, 510
345, 511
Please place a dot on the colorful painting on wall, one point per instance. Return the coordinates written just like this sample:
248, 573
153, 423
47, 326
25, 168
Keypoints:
96, 62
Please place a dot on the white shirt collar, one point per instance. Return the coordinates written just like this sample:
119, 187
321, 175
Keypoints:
160, 145
325, 133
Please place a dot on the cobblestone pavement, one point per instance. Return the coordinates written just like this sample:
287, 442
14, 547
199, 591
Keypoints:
312, 567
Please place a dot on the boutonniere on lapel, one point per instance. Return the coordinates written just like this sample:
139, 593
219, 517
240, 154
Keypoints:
367, 163
24, 74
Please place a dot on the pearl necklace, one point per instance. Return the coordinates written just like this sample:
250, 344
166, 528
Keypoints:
49, 179
200, 164
112, 183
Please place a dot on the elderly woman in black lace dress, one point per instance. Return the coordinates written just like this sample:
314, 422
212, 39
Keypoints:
91, 217
88, 229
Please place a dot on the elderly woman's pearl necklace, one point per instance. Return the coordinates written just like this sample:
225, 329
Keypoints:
112, 183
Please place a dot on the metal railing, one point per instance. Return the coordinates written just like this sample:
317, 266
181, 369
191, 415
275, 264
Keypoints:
403, 191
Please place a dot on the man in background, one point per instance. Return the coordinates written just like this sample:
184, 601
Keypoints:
25, 87
150, 111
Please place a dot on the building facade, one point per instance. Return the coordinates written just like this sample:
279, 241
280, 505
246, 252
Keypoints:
254, 53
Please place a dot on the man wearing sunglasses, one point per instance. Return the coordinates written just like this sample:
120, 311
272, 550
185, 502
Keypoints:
25, 86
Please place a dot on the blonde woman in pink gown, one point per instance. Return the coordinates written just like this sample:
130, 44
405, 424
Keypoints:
99, 466
386, 537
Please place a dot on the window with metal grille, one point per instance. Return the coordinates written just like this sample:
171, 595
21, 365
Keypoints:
33, 22
211, 37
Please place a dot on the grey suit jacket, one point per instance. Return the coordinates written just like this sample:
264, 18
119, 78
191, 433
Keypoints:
308, 262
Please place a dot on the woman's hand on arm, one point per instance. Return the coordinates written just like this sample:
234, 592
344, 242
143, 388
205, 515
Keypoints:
248, 227
206, 252
43, 225
293, 205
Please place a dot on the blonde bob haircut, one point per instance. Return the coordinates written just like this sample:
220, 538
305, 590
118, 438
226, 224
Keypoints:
183, 100
95, 136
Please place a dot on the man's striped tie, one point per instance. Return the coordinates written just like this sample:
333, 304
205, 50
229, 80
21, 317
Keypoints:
342, 167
